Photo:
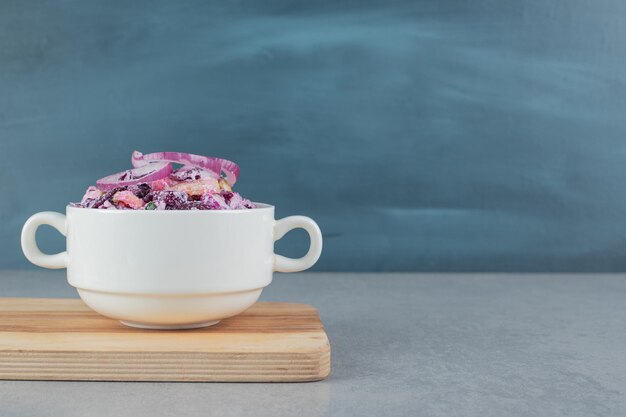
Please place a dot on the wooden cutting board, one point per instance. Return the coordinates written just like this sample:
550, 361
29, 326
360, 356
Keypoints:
62, 339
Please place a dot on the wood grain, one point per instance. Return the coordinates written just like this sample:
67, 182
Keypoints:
62, 339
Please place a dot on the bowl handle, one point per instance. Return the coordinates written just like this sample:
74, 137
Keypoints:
282, 227
29, 241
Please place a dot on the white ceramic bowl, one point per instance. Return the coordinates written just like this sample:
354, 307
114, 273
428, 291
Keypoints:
170, 269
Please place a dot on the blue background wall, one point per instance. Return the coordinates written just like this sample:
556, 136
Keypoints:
443, 135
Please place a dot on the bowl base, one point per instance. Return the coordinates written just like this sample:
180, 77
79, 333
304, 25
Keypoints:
150, 311
168, 326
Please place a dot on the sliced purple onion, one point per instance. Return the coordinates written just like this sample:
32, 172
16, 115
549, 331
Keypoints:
146, 173
220, 167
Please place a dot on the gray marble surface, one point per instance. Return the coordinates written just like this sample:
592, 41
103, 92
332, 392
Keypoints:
402, 345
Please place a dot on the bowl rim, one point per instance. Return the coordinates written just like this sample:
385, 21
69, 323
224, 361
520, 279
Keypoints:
260, 207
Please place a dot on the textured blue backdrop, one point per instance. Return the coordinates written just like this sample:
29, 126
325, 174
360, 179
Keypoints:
442, 135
